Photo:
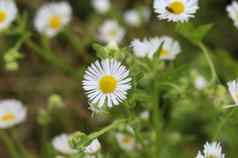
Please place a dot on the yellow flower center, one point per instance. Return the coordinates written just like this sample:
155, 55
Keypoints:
163, 53
3, 16
107, 84
176, 7
127, 140
8, 117
55, 22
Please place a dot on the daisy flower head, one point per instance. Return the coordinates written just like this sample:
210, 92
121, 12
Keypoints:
176, 10
233, 90
106, 82
12, 112
61, 144
52, 17
211, 150
170, 48
126, 142
101, 6
232, 10
109, 31
8, 13
93, 147
146, 47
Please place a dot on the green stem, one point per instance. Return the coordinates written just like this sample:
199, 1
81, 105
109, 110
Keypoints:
52, 59
22, 149
221, 125
156, 118
9, 144
106, 129
209, 60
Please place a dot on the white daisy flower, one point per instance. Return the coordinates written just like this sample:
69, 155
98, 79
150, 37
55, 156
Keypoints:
8, 13
101, 6
170, 48
176, 10
52, 17
12, 113
200, 82
61, 144
211, 150
146, 47
106, 81
93, 147
232, 10
126, 141
109, 31
233, 90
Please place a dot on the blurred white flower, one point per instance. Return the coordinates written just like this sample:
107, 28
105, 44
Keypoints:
146, 47
8, 13
61, 144
200, 82
176, 10
52, 17
133, 18
145, 115
170, 48
232, 10
101, 6
12, 112
106, 81
109, 31
126, 141
211, 150
136, 17
93, 147
233, 90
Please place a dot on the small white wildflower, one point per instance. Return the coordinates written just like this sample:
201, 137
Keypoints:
133, 18
101, 6
170, 48
93, 147
233, 90
8, 13
109, 31
211, 150
200, 82
12, 112
61, 144
52, 17
232, 10
146, 47
176, 10
106, 82
126, 141
145, 115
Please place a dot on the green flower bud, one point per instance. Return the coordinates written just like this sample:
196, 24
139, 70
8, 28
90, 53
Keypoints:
55, 101
43, 118
11, 66
79, 140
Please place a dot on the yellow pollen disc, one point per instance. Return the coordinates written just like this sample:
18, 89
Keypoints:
127, 140
107, 84
55, 22
176, 7
8, 117
3, 16
163, 53
211, 156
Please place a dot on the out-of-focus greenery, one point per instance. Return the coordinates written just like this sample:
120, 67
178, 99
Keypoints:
188, 118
